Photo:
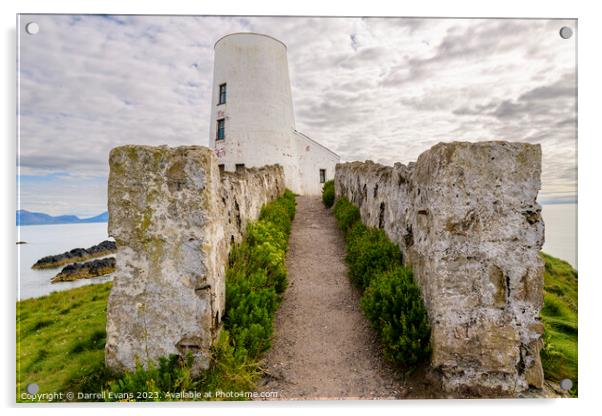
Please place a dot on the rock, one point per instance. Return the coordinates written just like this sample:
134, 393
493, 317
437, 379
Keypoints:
174, 218
466, 219
76, 255
94, 268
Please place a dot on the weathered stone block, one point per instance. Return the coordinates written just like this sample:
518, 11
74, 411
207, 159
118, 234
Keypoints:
466, 219
170, 214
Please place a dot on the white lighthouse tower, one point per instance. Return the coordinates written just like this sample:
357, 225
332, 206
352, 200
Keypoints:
252, 118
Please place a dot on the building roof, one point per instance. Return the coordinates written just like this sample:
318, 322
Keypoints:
315, 142
249, 33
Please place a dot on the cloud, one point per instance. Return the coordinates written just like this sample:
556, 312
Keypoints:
542, 100
544, 114
384, 89
58, 194
565, 87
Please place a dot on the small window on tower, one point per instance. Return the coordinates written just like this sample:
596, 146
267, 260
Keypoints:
322, 175
221, 129
222, 94
240, 167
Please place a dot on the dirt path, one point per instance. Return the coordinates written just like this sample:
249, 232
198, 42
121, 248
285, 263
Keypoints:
323, 346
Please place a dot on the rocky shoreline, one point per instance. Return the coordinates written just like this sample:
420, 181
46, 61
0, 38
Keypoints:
76, 255
87, 270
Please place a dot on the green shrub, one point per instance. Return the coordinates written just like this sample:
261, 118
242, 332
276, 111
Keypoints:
264, 250
171, 375
232, 369
263, 231
252, 303
328, 193
357, 230
392, 301
393, 305
286, 202
268, 257
369, 252
72, 324
255, 276
346, 214
278, 216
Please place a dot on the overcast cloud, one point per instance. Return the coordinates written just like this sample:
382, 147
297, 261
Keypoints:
384, 89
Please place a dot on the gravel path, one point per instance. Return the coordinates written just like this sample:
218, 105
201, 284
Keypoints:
323, 346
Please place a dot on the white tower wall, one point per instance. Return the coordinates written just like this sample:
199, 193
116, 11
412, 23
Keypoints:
258, 112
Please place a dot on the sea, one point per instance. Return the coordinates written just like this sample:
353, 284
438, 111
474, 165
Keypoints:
44, 240
561, 231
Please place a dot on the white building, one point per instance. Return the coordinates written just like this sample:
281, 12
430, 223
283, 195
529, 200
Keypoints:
252, 117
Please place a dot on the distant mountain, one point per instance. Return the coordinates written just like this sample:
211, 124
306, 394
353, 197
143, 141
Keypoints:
104, 217
25, 217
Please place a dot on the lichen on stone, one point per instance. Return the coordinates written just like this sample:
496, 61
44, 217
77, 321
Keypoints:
474, 250
168, 212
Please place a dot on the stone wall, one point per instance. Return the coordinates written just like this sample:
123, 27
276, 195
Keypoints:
466, 219
174, 218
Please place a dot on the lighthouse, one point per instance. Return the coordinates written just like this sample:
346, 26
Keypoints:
252, 116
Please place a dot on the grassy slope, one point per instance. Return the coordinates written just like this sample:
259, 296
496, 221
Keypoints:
559, 314
60, 337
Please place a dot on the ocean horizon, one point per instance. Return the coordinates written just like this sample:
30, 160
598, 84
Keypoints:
43, 240
561, 231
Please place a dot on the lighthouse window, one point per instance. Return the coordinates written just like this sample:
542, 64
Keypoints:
322, 175
222, 94
221, 127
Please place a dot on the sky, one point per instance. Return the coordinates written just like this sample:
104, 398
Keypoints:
384, 89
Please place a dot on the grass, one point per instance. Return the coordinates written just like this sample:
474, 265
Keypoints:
60, 340
61, 337
559, 314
